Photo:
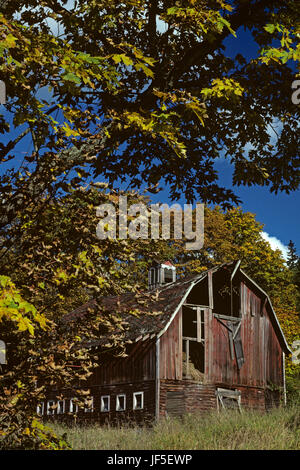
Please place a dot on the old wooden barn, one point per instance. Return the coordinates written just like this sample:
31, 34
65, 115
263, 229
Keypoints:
211, 341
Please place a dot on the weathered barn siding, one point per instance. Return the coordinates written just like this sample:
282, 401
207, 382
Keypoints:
252, 397
262, 350
170, 360
273, 355
221, 367
188, 395
139, 365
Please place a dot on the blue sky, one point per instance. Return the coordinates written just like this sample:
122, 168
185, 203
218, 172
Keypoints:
279, 213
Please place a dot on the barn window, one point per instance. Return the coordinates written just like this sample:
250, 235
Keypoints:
51, 407
138, 400
40, 409
226, 293
228, 399
121, 403
89, 405
2, 352
105, 403
193, 336
73, 408
60, 407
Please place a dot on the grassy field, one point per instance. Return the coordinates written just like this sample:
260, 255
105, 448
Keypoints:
278, 429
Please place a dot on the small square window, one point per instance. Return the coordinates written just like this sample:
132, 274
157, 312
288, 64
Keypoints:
40, 409
105, 403
89, 405
138, 400
51, 407
121, 403
60, 407
73, 406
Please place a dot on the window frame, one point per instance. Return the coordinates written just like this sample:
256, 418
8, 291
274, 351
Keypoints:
42, 405
73, 407
90, 409
50, 411
102, 404
135, 400
61, 409
118, 402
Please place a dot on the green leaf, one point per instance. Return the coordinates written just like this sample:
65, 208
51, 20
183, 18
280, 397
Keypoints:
71, 77
270, 28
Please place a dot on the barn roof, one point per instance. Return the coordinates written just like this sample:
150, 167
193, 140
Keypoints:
155, 308
148, 314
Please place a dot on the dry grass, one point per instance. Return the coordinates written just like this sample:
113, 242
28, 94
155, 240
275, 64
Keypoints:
278, 429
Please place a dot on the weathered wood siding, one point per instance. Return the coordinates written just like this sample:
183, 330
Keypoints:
180, 396
170, 360
273, 354
139, 365
262, 351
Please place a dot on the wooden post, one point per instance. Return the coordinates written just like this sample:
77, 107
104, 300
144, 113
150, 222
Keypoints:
210, 290
187, 356
199, 335
157, 379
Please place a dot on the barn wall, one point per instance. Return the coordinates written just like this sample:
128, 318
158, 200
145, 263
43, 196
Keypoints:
180, 396
221, 368
184, 396
139, 365
273, 354
262, 351
170, 360
147, 414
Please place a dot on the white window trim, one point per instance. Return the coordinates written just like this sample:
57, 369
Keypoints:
135, 400
90, 409
102, 403
2, 352
50, 411
73, 407
61, 407
118, 402
42, 406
